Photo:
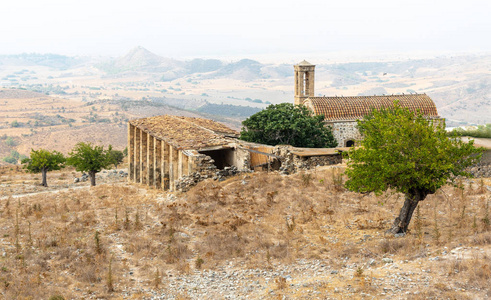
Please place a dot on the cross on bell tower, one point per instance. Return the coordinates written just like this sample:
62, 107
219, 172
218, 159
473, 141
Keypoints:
304, 81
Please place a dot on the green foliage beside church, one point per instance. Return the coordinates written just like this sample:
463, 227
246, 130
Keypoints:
287, 124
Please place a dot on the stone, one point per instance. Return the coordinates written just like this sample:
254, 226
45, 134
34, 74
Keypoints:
387, 260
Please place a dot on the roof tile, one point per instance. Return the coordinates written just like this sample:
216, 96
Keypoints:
353, 108
186, 132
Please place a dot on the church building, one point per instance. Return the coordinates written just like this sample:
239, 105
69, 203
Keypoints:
341, 113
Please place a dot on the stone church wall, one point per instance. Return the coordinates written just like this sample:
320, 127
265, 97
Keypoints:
344, 132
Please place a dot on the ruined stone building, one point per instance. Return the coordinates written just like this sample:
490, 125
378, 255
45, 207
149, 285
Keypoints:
341, 113
174, 153
163, 149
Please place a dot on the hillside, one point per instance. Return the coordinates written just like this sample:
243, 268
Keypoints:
458, 84
258, 235
53, 101
33, 120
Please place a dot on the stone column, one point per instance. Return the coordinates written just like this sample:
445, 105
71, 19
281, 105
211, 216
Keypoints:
150, 160
143, 157
157, 163
180, 162
311, 84
190, 165
173, 167
131, 152
296, 83
136, 151
165, 165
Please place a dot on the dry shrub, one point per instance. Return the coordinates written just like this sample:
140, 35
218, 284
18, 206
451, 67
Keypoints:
481, 239
393, 246
223, 246
479, 271
280, 283
141, 245
88, 272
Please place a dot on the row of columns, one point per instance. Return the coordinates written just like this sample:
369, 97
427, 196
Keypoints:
154, 162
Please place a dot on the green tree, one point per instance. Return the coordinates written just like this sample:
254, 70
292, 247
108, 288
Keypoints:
9, 159
42, 161
403, 151
9, 141
89, 158
116, 157
287, 124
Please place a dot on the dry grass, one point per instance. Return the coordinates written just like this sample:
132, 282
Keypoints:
51, 247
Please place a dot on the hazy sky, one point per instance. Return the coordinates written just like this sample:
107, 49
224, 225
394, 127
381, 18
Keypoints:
189, 28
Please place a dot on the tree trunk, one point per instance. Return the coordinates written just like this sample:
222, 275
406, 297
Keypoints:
44, 173
92, 178
401, 223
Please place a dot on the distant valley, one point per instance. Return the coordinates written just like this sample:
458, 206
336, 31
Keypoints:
54, 101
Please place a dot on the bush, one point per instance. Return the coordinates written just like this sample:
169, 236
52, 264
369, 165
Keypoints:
482, 131
9, 141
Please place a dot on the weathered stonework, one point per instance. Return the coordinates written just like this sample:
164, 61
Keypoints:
341, 113
344, 132
175, 153
292, 162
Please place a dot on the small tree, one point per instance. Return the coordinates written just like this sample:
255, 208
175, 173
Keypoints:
42, 161
408, 153
116, 157
289, 125
86, 157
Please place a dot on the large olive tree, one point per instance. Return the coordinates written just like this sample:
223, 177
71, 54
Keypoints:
406, 152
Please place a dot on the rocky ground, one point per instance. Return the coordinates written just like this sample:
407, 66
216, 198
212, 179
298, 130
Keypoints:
252, 236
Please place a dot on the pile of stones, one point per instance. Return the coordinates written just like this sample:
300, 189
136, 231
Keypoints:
220, 175
84, 177
186, 182
481, 170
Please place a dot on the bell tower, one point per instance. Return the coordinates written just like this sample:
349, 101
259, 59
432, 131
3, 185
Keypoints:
304, 81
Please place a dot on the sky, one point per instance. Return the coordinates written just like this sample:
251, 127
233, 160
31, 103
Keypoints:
216, 28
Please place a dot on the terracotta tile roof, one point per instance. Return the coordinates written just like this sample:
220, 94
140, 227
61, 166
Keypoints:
353, 108
186, 132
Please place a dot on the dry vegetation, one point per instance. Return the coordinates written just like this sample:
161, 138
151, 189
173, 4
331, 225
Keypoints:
119, 240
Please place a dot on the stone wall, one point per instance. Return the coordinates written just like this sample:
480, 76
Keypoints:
344, 131
310, 162
291, 163
203, 168
483, 167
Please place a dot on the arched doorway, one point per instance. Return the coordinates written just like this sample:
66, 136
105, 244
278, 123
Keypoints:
350, 143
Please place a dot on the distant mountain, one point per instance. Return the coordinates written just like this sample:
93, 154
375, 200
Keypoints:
140, 59
55, 61
199, 65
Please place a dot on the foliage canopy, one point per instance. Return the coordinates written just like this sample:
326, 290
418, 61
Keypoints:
43, 161
408, 153
481, 131
86, 157
116, 157
287, 124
